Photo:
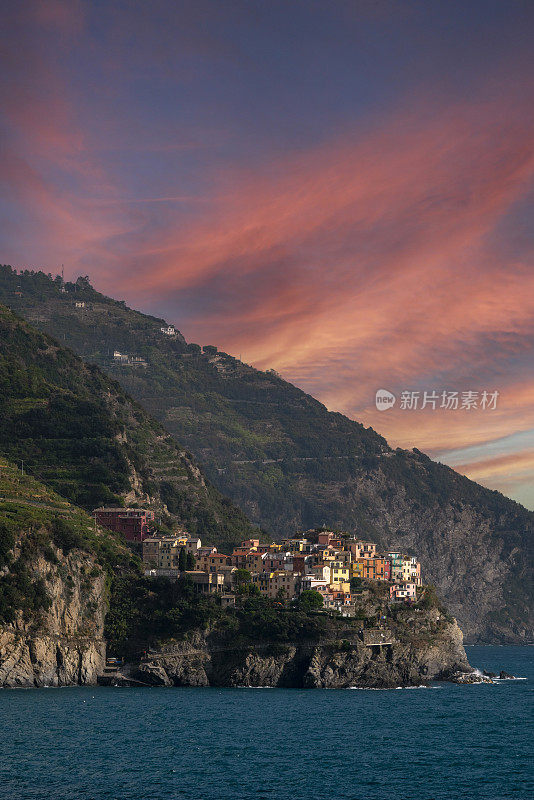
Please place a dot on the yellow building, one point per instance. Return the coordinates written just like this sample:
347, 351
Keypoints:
162, 552
339, 572
342, 586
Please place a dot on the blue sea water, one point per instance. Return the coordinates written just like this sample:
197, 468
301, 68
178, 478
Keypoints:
442, 743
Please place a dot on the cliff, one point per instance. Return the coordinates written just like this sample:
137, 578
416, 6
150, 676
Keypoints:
208, 660
55, 570
71, 592
194, 641
63, 644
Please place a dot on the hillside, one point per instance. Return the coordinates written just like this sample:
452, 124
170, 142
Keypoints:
80, 434
289, 463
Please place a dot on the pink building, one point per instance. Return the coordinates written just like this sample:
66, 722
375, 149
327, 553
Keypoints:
403, 592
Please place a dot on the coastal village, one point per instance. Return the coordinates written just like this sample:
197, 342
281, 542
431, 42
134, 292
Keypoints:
333, 564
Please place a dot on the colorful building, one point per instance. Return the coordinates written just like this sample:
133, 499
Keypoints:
133, 523
405, 592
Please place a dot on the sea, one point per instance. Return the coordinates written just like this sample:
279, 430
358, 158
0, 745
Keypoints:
445, 742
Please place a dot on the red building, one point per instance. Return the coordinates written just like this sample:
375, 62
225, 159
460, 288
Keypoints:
132, 522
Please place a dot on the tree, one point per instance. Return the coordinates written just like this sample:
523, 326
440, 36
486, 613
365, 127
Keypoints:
242, 576
190, 561
182, 560
310, 600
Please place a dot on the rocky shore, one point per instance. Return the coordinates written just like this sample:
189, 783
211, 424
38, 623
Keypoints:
210, 660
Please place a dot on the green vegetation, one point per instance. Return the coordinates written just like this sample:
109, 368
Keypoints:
309, 600
147, 612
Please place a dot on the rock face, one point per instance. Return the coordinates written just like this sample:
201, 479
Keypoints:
64, 646
41, 660
207, 661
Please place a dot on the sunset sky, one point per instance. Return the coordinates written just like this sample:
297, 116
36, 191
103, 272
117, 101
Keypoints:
340, 190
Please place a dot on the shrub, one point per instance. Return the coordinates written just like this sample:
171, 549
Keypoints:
65, 535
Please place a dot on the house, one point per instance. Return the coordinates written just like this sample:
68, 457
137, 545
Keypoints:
206, 550
151, 547
405, 592
361, 549
372, 569
415, 575
79, 304
254, 561
339, 573
138, 361
134, 523
163, 552
310, 582
120, 358
249, 544
227, 600
168, 330
213, 561
206, 582
294, 545
239, 556
228, 572
192, 544
321, 572
396, 559
411, 570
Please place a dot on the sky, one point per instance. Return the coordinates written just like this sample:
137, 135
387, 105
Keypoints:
341, 191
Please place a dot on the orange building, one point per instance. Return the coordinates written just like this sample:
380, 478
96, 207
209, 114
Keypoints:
372, 569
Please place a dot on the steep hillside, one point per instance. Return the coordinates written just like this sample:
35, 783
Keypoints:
78, 431
289, 463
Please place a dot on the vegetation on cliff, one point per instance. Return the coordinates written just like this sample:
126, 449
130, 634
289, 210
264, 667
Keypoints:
36, 523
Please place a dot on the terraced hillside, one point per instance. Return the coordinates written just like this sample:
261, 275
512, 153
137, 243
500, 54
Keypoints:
80, 434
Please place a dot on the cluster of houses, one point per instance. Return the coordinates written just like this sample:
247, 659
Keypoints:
330, 563
323, 563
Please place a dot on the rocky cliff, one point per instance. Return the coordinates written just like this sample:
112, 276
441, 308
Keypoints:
429, 649
55, 569
62, 643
